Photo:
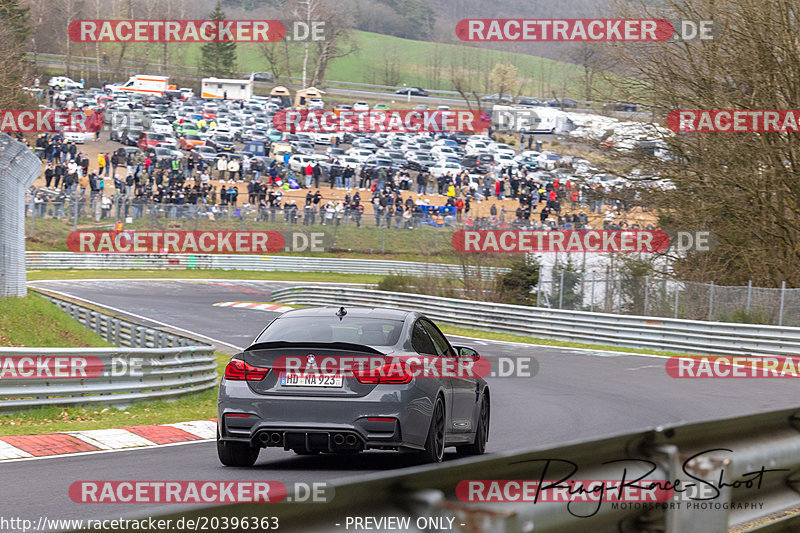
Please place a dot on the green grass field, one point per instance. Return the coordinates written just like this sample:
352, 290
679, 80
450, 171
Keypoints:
387, 60
34, 321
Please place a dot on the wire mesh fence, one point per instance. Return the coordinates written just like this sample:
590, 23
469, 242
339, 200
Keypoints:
667, 298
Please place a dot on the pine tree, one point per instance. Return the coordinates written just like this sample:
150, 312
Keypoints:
218, 59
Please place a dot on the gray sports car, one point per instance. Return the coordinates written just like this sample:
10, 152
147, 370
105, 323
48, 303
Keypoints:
344, 380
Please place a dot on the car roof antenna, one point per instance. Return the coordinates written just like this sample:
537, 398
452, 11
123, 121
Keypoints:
341, 312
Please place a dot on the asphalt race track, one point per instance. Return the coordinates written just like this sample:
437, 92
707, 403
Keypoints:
574, 395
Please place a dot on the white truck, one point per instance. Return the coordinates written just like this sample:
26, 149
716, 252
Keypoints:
529, 119
227, 89
143, 84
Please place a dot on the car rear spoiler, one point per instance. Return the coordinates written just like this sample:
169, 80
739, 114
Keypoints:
326, 345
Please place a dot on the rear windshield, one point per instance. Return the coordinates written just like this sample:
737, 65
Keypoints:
367, 331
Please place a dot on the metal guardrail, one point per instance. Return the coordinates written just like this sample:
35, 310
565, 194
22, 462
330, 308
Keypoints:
664, 334
267, 263
155, 364
701, 455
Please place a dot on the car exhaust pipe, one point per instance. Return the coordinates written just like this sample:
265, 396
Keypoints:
350, 440
263, 437
338, 439
275, 438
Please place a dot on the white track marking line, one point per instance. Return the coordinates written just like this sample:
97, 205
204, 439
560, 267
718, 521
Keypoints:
111, 439
95, 452
205, 429
9, 452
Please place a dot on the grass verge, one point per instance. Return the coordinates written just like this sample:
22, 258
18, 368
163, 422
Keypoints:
508, 337
34, 321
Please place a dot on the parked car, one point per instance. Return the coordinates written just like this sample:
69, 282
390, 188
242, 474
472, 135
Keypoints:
563, 102
221, 143
363, 142
530, 101
297, 162
161, 126
420, 161
444, 167
413, 91
63, 82
130, 136
360, 106
497, 98
205, 152
191, 141
316, 103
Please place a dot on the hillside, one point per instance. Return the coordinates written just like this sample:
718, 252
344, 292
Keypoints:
386, 60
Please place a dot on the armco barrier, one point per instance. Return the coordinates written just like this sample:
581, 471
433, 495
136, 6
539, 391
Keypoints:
146, 364
67, 260
721, 453
664, 334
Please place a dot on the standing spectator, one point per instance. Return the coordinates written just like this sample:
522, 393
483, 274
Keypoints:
233, 169
222, 166
48, 175
308, 172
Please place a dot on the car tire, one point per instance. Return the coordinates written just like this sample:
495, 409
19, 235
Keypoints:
434, 444
236, 453
478, 446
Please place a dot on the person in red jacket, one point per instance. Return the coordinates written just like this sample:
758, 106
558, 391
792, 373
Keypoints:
309, 172
459, 208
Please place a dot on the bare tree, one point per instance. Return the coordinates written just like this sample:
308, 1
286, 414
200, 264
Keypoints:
742, 186
68, 10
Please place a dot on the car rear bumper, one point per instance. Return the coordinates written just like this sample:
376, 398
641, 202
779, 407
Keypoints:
389, 417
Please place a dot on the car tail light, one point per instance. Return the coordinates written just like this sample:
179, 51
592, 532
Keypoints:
391, 374
238, 370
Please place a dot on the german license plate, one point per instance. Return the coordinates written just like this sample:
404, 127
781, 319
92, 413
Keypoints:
310, 380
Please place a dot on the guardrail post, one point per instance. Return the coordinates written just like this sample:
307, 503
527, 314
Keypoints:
646, 293
539, 288
677, 292
749, 294
116, 331
77, 209
594, 276
783, 300
711, 301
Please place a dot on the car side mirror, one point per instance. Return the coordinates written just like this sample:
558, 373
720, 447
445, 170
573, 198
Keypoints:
464, 351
